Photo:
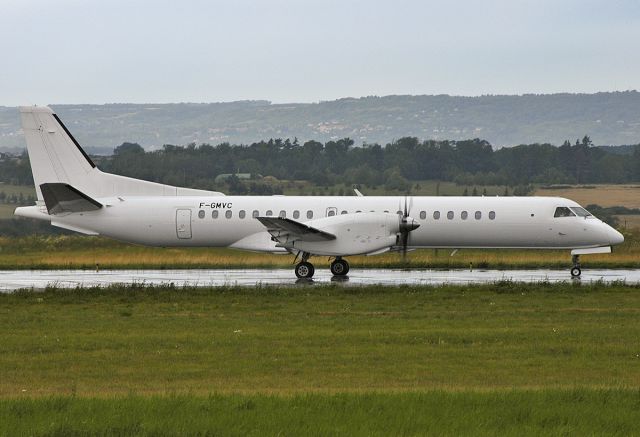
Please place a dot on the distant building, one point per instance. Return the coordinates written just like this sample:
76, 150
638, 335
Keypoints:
242, 176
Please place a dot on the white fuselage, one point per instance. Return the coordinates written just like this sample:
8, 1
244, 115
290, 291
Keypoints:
73, 193
228, 221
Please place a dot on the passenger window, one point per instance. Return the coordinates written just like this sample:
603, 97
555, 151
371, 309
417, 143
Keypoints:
241, 214
387, 211
344, 212
331, 213
436, 215
464, 215
214, 214
563, 211
492, 215
478, 215
399, 212
201, 214
358, 211
228, 214
450, 215
309, 214
282, 214
423, 215
269, 213
255, 213
296, 214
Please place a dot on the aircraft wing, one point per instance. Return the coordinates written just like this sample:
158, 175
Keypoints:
284, 229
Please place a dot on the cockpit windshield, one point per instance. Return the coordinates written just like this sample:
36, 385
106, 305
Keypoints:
580, 212
563, 211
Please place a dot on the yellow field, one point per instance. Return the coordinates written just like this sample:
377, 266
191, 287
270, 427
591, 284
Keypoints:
603, 195
6, 210
26, 190
629, 221
87, 252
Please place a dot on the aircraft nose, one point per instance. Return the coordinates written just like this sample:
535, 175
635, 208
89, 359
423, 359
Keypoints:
615, 237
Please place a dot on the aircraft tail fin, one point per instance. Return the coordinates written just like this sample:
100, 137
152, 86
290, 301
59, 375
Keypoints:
57, 158
54, 153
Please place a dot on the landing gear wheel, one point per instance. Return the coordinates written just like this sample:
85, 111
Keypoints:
575, 271
339, 267
305, 270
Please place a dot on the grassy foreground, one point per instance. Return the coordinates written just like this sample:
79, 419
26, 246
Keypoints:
507, 358
79, 252
509, 413
300, 339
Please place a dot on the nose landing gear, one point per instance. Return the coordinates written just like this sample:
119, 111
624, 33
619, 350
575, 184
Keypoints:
575, 270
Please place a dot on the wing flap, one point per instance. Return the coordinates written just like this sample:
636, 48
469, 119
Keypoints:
60, 198
285, 229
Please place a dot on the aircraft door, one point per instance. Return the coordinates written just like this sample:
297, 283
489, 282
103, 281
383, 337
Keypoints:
331, 211
183, 223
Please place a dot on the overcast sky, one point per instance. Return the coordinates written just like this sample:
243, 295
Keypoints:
90, 51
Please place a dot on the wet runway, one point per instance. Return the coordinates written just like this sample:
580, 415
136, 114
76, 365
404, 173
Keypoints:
39, 279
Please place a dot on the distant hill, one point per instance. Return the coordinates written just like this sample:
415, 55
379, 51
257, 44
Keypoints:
619, 150
608, 118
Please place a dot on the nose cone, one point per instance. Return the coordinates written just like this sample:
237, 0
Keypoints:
408, 225
615, 237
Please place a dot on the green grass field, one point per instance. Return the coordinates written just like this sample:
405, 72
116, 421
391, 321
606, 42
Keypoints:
439, 413
508, 359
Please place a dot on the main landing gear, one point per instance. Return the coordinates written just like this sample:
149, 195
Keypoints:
305, 270
575, 270
339, 267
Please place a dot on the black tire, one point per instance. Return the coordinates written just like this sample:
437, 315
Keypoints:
575, 272
304, 270
339, 267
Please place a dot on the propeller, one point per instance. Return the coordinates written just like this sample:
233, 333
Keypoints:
406, 225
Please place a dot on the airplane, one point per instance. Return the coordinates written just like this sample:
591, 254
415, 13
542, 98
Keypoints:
72, 193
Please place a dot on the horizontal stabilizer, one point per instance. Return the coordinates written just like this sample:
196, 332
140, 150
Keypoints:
282, 226
60, 198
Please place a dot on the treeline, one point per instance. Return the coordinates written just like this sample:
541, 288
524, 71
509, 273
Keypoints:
16, 171
394, 166
470, 162
17, 199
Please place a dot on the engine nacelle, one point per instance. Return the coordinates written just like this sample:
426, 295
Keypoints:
356, 234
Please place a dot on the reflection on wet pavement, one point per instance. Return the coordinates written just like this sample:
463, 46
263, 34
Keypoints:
38, 279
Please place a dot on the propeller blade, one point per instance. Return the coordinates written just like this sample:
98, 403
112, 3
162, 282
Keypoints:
406, 225
405, 240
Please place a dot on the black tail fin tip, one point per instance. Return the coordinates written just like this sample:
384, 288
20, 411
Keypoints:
91, 163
